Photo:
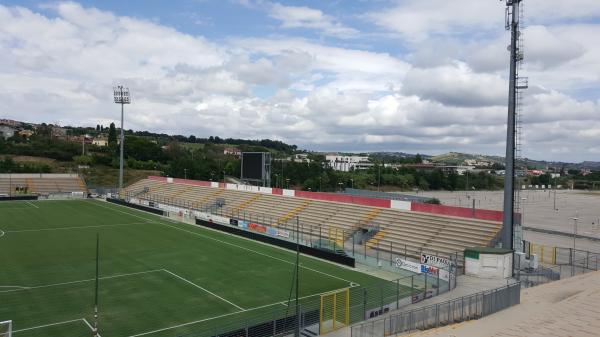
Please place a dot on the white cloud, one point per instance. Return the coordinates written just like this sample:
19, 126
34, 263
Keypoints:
456, 85
309, 18
442, 93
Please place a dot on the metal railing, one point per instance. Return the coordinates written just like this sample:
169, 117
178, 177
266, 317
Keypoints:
365, 302
569, 263
453, 311
281, 320
374, 253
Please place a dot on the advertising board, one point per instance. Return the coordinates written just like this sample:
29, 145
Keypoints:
408, 265
436, 261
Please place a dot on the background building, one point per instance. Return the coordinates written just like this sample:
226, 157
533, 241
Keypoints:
348, 163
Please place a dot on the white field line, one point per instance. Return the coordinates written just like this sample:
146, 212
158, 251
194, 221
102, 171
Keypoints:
225, 315
32, 204
81, 281
89, 325
99, 204
47, 325
204, 289
319, 294
10, 208
254, 251
227, 243
74, 227
14, 287
1, 233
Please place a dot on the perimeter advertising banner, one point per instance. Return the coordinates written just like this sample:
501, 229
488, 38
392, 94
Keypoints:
436, 261
408, 265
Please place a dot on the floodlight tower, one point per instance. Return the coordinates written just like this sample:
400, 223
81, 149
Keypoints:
513, 16
121, 96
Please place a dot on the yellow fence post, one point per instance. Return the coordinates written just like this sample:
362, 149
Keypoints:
334, 307
347, 306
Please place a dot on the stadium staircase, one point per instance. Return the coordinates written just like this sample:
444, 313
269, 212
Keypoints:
373, 242
363, 234
248, 202
293, 212
370, 216
211, 196
30, 185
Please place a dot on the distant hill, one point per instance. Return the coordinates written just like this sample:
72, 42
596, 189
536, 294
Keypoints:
457, 158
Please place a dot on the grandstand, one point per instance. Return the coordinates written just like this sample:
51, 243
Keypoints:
397, 231
41, 184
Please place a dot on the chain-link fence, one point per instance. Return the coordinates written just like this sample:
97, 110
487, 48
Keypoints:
453, 311
569, 262
320, 313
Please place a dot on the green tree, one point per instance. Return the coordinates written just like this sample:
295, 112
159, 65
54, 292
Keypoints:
112, 135
82, 160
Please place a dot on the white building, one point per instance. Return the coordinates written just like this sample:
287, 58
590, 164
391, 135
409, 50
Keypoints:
348, 163
6, 131
100, 141
301, 158
233, 151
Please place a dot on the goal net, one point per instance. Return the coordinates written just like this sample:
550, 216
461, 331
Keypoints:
6, 329
335, 310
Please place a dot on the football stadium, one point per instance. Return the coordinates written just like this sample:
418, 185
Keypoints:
111, 232
161, 276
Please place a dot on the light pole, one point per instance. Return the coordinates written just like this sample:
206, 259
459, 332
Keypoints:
574, 234
276, 180
555, 209
351, 183
287, 182
185, 173
523, 212
379, 178
121, 96
340, 184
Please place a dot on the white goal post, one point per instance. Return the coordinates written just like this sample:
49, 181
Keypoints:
6, 329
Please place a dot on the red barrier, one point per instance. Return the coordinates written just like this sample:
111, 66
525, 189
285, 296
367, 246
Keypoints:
344, 198
324, 196
463, 212
191, 182
486, 214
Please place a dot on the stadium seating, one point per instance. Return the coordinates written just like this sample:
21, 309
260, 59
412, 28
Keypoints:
401, 232
41, 183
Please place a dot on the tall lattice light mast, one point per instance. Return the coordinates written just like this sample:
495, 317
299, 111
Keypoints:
122, 97
513, 23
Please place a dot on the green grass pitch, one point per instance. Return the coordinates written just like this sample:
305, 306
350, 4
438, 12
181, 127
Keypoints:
158, 278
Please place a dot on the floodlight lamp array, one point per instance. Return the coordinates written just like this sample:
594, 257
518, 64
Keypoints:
121, 95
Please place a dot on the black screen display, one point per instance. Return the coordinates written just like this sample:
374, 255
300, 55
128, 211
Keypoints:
252, 165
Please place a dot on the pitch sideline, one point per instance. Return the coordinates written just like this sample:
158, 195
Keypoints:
228, 243
80, 281
204, 289
74, 227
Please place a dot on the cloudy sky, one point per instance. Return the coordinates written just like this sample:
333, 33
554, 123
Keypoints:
425, 76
